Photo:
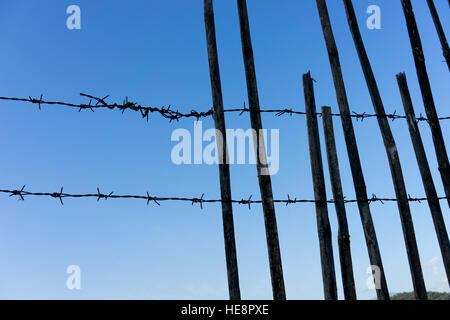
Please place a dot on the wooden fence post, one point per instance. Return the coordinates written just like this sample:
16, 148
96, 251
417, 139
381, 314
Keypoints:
320, 196
224, 170
440, 31
393, 157
345, 255
427, 96
265, 184
430, 190
352, 151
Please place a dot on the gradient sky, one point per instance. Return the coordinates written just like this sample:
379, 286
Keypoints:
154, 52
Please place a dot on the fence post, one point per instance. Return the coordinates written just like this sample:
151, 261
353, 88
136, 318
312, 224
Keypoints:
440, 31
430, 190
345, 255
427, 96
265, 184
352, 151
393, 157
320, 196
224, 170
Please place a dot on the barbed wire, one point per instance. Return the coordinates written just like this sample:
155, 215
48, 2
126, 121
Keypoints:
168, 112
60, 195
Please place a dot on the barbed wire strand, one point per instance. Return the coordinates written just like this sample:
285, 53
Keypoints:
174, 115
60, 195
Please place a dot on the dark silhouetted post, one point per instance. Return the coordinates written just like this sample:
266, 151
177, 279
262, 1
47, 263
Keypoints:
345, 255
393, 157
224, 170
427, 96
352, 151
440, 31
425, 172
265, 184
320, 196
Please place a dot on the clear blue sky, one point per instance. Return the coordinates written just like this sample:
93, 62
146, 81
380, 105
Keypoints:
155, 53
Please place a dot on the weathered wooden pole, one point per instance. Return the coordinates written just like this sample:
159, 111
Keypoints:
440, 31
393, 157
352, 151
345, 255
427, 96
265, 184
320, 196
224, 170
425, 172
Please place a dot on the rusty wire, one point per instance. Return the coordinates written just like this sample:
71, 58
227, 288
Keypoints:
168, 112
60, 195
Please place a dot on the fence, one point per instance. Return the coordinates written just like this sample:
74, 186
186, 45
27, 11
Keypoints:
320, 200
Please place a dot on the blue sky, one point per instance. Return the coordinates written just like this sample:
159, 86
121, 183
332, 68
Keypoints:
154, 52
